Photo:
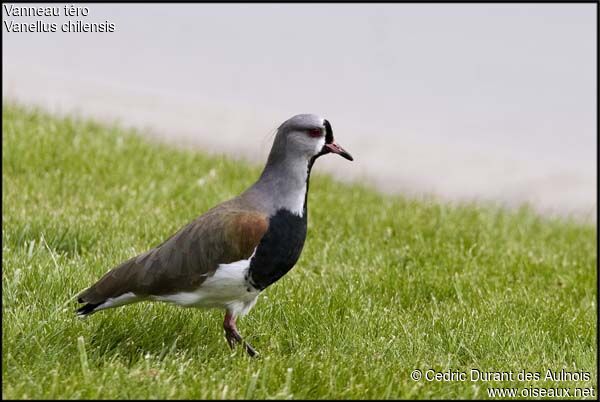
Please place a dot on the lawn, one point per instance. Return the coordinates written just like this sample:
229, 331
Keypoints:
385, 284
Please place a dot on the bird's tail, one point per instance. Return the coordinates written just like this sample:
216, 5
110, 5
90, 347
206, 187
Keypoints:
87, 309
96, 303
115, 288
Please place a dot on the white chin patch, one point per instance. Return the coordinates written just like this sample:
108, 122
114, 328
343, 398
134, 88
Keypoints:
319, 146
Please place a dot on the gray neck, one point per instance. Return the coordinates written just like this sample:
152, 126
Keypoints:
283, 184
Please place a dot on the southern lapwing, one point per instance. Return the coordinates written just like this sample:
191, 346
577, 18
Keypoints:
227, 256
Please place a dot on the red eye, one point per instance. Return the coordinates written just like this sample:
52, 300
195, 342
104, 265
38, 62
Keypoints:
315, 132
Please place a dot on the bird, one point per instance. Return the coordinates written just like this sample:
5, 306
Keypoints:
228, 256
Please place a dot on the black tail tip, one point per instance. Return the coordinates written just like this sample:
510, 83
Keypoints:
87, 309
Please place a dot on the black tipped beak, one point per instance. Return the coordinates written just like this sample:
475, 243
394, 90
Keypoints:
337, 149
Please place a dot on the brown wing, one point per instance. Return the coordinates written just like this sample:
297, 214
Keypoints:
186, 259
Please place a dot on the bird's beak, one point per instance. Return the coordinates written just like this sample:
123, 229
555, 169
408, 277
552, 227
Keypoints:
337, 149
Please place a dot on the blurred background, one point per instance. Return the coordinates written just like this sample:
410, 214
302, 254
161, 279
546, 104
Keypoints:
461, 102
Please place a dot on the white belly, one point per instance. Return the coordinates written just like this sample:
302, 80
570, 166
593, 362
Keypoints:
227, 288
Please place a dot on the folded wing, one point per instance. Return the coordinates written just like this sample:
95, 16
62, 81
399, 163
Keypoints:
186, 259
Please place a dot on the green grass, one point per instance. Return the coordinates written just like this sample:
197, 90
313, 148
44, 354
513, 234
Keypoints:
385, 285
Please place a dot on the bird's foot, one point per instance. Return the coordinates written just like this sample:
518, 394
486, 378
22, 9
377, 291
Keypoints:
233, 338
250, 350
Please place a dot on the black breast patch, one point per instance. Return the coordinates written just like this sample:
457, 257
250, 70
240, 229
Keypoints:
279, 249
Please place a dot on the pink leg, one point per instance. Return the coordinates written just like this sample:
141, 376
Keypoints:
233, 336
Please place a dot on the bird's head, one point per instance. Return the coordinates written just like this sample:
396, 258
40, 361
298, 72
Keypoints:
306, 135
